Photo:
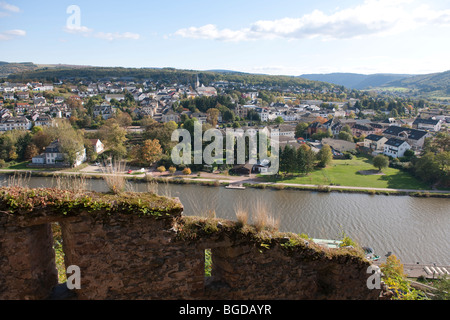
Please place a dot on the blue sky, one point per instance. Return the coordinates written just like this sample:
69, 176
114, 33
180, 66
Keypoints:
274, 37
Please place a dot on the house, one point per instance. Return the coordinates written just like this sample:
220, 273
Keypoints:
44, 121
23, 95
39, 100
427, 124
339, 145
22, 107
15, 123
5, 113
351, 110
415, 138
263, 114
262, 166
58, 99
375, 142
54, 157
283, 130
200, 116
206, 91
105, 111
395, 148
118, 97
98, 146
359, 130
170, 115
242, 169
242, 111
317, 127
9, 96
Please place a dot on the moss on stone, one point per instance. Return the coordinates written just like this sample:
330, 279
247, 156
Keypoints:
22, 201
201, 229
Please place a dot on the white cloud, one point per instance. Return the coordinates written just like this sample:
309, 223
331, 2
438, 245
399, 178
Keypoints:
117, 36
78, 30
372, 17
87, 32
11, 34
9, 7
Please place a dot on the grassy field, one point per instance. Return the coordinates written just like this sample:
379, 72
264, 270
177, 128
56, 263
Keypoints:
346, 173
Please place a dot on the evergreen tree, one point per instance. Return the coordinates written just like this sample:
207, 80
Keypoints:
325, 156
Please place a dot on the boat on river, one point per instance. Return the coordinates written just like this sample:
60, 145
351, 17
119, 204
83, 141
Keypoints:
235, 186
370, 254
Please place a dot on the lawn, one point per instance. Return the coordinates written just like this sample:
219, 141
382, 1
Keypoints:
345, 173
23, 166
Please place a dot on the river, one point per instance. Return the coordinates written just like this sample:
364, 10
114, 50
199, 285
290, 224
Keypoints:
414, 229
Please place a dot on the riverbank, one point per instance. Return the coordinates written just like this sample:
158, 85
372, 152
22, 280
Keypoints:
217, 180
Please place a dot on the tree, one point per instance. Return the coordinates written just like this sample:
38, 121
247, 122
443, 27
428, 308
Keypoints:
253, 115
114, 137
70, 140
31, 151
380, 162
162, 132
325, 156
212, 116
288, 159
305, 158
279, 120
347, 128
74, 103
150, 152
124, 119
396, 280
300, 129
228, 116
344, 135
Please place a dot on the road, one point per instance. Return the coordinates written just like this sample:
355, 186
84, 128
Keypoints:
211, 177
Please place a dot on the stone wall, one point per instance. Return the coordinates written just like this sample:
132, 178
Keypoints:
137, 246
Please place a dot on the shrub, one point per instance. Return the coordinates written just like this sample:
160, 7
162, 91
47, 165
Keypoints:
161, 169
115, 181
172, 170
187, 171
262, 218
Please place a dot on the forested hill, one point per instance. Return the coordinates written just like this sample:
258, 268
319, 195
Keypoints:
428, 83
164, 75
356, 80
7, 68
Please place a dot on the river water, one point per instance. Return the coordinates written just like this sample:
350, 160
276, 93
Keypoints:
414, 229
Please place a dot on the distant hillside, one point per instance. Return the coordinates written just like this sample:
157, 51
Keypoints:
355, 80
7, 68
226, 71
162, 75
434, 84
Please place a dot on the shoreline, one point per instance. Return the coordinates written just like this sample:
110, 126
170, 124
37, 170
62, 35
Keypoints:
248, 183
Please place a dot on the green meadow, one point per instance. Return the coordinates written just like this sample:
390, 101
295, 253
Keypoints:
346, 173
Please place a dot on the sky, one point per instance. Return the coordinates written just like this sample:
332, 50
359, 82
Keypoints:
284, 37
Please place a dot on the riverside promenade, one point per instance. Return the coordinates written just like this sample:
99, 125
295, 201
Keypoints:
428, 271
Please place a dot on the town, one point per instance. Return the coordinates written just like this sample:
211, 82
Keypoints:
115, 118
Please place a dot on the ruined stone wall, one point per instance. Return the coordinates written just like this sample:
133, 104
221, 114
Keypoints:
27, 264
134, 247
